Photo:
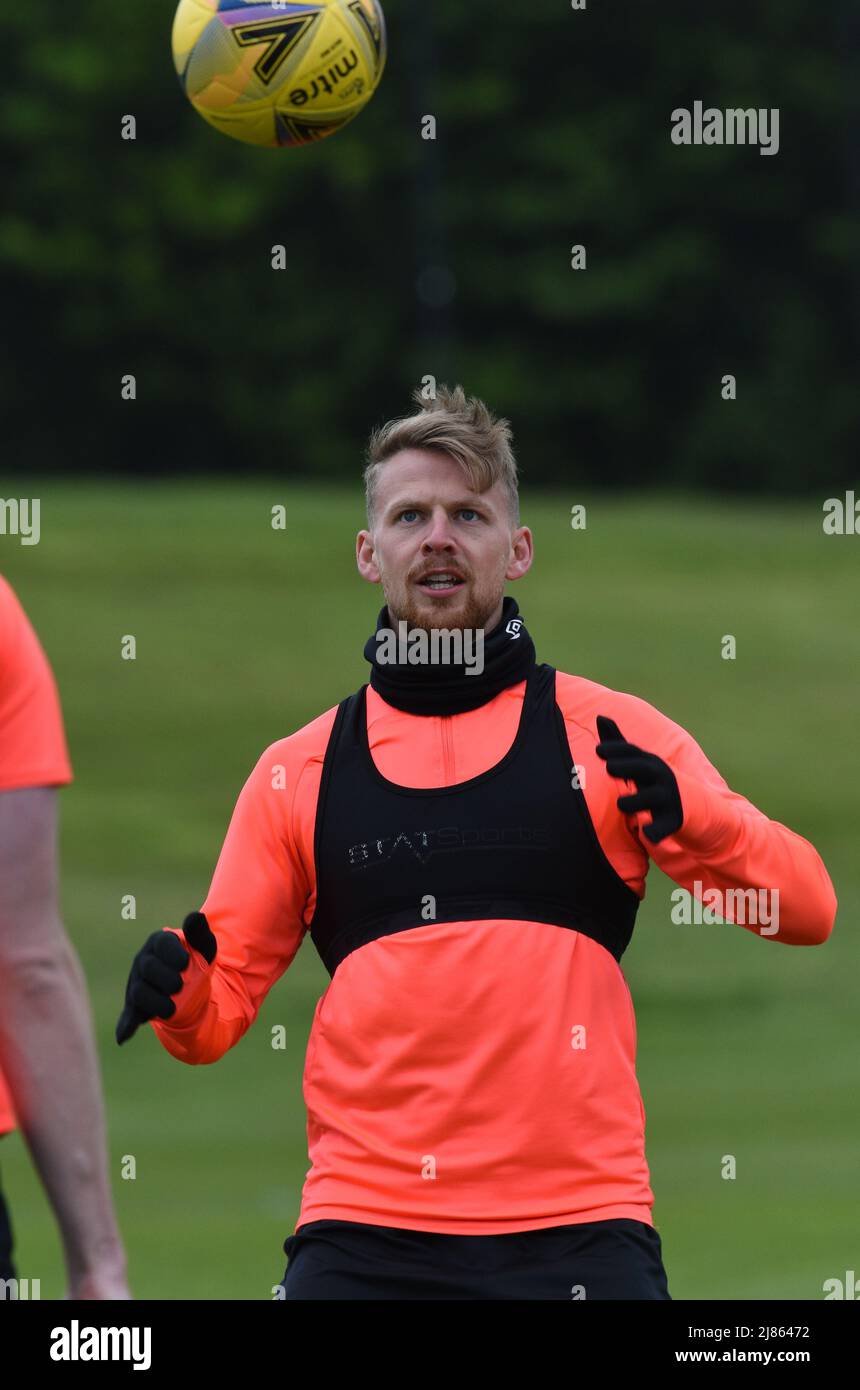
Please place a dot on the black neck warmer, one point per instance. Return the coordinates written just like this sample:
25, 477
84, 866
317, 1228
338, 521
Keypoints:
437, 688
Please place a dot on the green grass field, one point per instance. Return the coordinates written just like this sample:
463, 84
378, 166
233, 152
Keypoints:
746, 1047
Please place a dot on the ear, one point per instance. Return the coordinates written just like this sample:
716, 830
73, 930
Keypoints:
365, 558
522, 553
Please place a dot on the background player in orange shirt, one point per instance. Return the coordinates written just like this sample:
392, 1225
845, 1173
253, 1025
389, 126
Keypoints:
49, 1072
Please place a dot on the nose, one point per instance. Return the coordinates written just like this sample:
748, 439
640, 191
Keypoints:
439, 536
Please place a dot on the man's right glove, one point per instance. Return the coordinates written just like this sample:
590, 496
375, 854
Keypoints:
156, 973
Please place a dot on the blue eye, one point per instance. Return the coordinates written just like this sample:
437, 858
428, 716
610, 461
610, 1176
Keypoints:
409, 512
470, 510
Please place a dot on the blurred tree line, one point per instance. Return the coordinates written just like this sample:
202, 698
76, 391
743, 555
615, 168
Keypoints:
449, 257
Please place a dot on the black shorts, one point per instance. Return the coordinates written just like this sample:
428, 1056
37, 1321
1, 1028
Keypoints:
618, 1259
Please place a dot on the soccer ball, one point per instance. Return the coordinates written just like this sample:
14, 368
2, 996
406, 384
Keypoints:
279, 74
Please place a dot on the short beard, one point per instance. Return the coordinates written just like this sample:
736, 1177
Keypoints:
420, 613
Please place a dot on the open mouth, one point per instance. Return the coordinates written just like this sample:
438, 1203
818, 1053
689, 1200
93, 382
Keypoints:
445, 582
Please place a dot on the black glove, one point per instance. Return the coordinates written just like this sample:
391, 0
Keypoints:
656, 787
156, 973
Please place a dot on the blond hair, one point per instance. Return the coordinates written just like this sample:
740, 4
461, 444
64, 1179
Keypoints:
449, 423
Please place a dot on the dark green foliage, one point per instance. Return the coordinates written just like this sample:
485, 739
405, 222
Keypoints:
153, 257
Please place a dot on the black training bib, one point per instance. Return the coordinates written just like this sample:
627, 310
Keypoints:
516, 842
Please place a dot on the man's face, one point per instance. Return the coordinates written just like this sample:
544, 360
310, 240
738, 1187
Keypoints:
441, 552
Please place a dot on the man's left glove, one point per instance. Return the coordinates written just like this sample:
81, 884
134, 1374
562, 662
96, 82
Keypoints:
656, 787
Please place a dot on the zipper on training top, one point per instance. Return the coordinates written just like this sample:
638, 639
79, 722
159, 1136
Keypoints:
447, 750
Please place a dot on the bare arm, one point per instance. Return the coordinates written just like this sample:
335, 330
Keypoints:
47, 1046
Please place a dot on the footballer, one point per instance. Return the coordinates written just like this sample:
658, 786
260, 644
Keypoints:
466, 850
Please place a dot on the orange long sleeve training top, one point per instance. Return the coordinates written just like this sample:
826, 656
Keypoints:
443, 1088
